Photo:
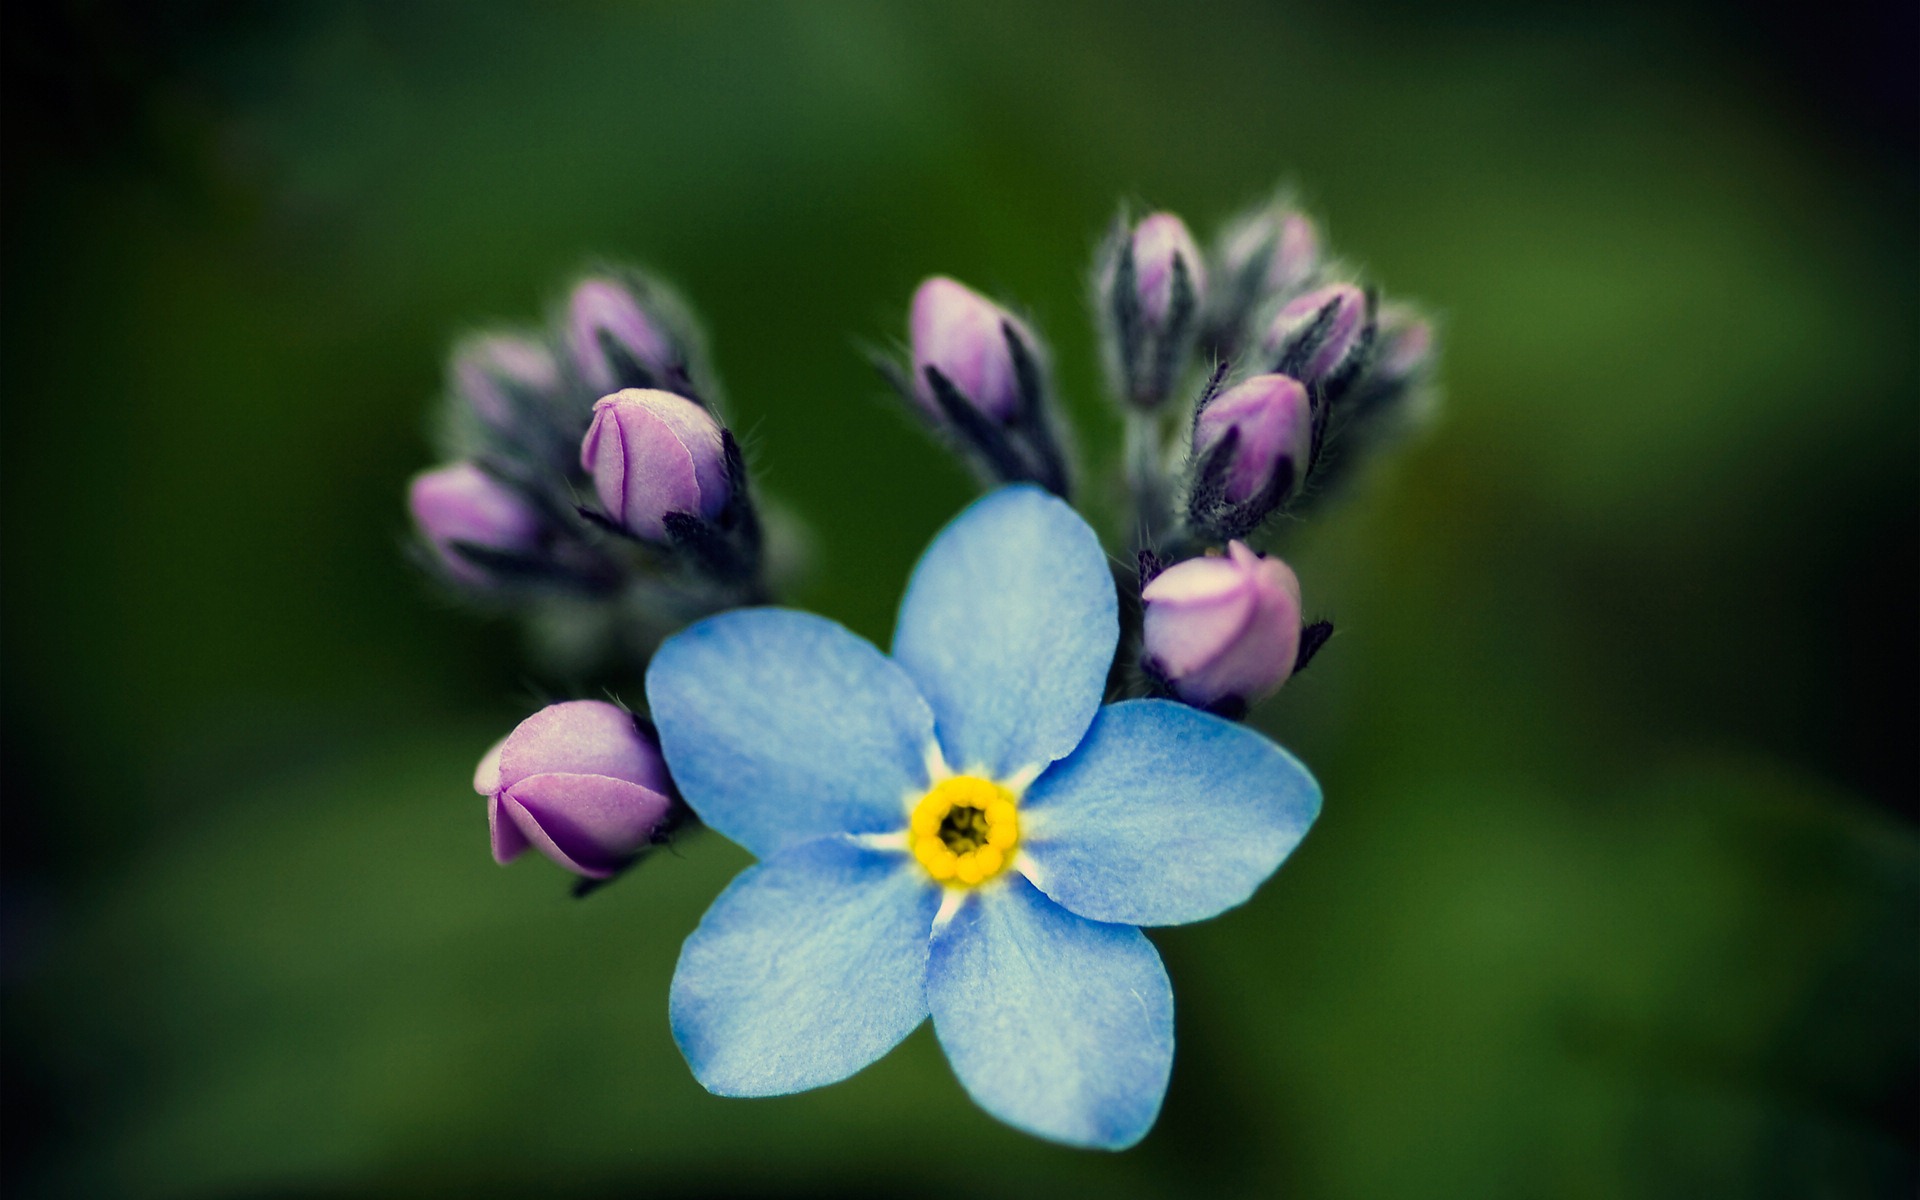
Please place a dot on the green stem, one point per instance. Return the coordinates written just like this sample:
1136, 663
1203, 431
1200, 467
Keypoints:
1147, 481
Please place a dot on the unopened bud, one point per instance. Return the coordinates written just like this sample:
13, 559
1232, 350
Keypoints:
1320, 336
1162, 247
581, 781
1277, 249
1223, 630
1405, 343
1270, 421
1152, 282
651, 454
494, 373
961, 334
461, 505
614, 341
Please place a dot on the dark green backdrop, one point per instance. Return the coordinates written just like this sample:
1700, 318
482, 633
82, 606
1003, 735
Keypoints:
1615, 891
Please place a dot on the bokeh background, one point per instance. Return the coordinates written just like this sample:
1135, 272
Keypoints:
1616, 892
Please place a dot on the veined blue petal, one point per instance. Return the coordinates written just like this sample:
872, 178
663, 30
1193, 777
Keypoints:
1008, 627
1055, 1024
1164, 815
808, 967
780, 727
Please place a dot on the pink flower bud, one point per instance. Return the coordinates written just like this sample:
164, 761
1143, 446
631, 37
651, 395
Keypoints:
1223, 629
958, 331
462, 503
489, 370
652, 453
581, 781
1328, 347
1406, 343
1289, 241
1157, 241
602, 311
1273, 422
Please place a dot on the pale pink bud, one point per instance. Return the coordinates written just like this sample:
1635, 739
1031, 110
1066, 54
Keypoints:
1272, 422
490, 370
1289, 241
601, 311
652, 453
959, 332
462, 504
1159, 240
1220, 629
581, 781
1325, 348
1406, 343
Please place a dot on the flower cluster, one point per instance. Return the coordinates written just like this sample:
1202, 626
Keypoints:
974, 826
1292, 372
591, 477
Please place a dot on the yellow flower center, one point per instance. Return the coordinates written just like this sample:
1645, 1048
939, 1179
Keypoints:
964, 831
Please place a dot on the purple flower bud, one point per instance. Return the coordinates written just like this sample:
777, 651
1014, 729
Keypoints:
601, 310
958, 331
652, 453
1289, 241
490, 369
1274, 423
581, 781
1225, 628
462, 503
1157, 241
1406, 343
1327, 347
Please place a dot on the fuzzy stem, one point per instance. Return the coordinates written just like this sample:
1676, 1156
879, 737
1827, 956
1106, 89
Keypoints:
1147, 482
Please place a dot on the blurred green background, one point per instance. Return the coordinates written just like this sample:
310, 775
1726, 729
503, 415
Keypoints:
1616, 891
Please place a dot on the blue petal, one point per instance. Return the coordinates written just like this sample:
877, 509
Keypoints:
1164, 815
807, 968
1009, 626
1056, 1025
781, 726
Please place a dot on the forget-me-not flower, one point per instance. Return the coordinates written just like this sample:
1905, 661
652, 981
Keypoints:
959, 830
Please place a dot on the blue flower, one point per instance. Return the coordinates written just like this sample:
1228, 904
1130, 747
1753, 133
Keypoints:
959, 830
